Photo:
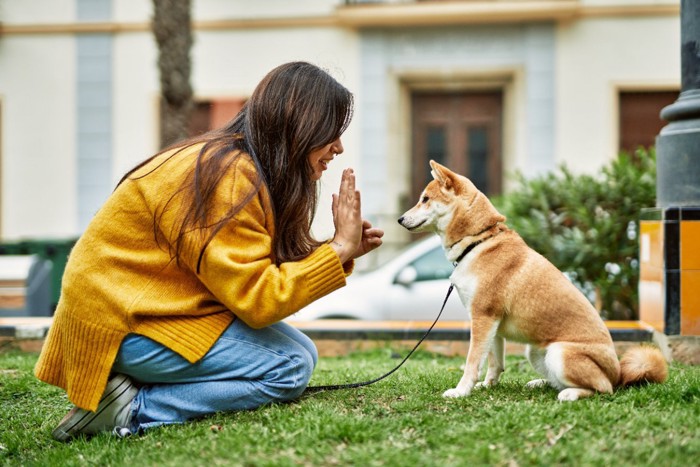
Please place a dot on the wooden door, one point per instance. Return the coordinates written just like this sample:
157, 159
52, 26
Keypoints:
640, 121
462, 131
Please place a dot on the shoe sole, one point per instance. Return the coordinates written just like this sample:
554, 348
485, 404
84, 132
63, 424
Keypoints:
73, 424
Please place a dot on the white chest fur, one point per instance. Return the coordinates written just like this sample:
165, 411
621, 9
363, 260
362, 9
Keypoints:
465, 283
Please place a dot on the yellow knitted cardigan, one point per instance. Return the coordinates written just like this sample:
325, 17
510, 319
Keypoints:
119, 279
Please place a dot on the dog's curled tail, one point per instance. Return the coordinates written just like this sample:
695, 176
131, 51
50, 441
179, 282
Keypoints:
641, 365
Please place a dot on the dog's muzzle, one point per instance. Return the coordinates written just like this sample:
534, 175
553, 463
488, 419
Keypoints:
402, 219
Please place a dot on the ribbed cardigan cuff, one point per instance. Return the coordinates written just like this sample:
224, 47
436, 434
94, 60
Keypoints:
323, 272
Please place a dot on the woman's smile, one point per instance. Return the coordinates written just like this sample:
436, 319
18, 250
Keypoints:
321, 157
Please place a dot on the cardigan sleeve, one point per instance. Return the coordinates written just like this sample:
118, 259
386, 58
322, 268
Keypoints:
259, 292
238, 266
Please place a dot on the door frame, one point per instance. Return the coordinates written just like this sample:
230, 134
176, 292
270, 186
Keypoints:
509, 81
399, 83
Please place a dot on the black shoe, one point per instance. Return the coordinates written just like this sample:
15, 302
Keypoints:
112, 412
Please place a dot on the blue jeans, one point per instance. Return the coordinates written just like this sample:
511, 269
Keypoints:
246, 368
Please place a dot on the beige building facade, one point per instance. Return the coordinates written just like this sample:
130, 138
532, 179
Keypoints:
488, 87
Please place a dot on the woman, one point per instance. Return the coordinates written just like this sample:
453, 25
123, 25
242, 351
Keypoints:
172, 298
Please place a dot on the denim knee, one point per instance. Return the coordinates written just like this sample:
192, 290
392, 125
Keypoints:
290, 381
313, 354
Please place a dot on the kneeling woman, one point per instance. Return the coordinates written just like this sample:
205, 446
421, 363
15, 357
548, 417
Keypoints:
173, 297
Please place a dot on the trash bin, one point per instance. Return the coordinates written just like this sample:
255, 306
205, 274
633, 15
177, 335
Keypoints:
25, 286
54, 250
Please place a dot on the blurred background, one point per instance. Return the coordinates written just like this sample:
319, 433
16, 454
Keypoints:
493, 88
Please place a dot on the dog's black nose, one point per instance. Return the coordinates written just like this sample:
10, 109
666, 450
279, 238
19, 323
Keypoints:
401, 220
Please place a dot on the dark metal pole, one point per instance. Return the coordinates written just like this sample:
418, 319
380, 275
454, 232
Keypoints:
675, 222
678, 143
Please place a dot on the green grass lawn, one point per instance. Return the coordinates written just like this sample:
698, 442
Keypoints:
402, 420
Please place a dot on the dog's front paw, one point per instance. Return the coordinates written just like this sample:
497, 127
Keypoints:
487, 383
456, 392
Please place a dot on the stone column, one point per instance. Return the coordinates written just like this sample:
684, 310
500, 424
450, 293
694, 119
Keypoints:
670, 233
678, 144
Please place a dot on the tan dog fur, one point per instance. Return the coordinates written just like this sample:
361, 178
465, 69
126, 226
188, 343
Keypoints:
512, 292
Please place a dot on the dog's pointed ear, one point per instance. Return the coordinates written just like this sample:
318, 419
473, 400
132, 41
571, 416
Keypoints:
442, 174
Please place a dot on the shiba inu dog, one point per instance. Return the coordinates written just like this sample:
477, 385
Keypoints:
512, 292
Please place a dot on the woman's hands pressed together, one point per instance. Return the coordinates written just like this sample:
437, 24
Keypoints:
354, 236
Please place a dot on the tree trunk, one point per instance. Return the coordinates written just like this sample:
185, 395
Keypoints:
173, 33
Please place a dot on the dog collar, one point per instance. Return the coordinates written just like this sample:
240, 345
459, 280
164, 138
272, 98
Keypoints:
471, 246
466, 251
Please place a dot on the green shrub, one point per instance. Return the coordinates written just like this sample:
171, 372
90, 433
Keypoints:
588, 226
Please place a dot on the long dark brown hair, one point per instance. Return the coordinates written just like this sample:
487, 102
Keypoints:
295, 109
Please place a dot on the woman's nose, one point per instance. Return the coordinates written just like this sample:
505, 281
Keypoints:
337, 146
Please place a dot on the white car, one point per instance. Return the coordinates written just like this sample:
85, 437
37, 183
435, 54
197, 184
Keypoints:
411, 286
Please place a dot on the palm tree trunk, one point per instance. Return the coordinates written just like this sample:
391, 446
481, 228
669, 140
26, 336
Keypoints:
173, 33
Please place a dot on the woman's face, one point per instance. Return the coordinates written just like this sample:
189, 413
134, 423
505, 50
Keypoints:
319, 158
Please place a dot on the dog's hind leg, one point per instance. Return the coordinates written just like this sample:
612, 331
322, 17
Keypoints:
582, 370
496, 361
535, 356
574, 394
482, 336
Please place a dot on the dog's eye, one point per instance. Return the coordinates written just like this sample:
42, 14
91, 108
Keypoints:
424, 199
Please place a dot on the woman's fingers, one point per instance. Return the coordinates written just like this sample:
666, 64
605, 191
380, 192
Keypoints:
354, 236
347, 216
371, 239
